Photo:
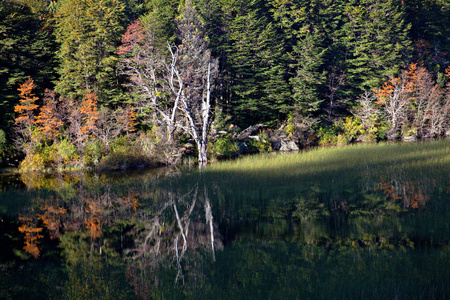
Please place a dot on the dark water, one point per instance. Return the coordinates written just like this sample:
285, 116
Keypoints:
366, 232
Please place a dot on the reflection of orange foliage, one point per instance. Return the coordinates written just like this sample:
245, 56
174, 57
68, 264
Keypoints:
51, 219
31, 236
132, 199
389, 190
447, 72
92, 220
142, 286
409, 192
93, 225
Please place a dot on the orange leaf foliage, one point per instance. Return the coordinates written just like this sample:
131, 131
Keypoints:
48, 121
90, 114
410, 193
447, 72
27, 103
383, 93
132, 200
127, 118
132, 37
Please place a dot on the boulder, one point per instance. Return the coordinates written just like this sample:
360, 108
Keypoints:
288, 146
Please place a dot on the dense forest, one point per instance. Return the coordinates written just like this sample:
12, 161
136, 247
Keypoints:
116, 83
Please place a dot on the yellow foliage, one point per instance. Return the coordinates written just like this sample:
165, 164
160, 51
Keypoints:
32, 162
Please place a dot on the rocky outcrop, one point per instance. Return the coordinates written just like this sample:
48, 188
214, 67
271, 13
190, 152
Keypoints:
283, 144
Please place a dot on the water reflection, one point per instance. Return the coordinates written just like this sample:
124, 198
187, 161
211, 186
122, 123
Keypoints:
203, 236
144, 230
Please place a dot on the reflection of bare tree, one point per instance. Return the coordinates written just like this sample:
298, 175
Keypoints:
173, 229
152, 228
183, 225
209, 220
411, 193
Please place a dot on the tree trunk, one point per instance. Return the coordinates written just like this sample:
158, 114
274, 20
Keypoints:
202, 154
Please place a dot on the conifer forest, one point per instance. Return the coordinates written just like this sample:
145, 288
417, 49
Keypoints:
112, 84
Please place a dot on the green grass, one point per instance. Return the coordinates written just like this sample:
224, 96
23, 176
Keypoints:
325, 159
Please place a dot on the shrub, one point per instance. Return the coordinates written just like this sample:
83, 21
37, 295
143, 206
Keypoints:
92, 153
49, 155
67, 151
154, 146
225, 147
353, 128
342, 139
3, 142
3, 145
124, 155
260, 144
329, 135
32, 162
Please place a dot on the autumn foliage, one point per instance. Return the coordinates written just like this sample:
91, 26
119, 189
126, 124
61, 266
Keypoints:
127, 117
132, 38
48, 121
92, 219
26, 109
89, 113
32, 236
51, 219
412, 194
414, 104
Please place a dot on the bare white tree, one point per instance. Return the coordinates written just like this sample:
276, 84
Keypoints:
177, 87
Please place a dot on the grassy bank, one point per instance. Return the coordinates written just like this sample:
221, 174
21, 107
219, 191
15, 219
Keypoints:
324, 159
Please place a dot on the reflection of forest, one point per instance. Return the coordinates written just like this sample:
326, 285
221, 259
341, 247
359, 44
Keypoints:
159, 230
92, 221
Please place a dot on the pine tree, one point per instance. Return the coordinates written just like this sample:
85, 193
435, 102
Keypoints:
89, 32
376, 37
255, 65
160, 19
26, 50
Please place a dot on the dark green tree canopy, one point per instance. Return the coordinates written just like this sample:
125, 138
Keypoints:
88, 32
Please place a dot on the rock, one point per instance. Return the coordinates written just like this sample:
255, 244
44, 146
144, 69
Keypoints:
288, 146
242, 147
411, 138
276, 144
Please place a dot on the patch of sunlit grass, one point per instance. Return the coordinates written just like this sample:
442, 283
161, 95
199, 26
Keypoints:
334, 158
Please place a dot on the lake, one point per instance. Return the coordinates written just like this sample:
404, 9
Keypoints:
357, 222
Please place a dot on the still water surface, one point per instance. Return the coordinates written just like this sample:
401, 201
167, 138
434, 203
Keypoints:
362, 232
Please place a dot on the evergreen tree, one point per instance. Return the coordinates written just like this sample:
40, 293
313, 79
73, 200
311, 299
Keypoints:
160, 19
304, 34
88, 31
255, 65
26, 50
430, 31
376, 37
309, 77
